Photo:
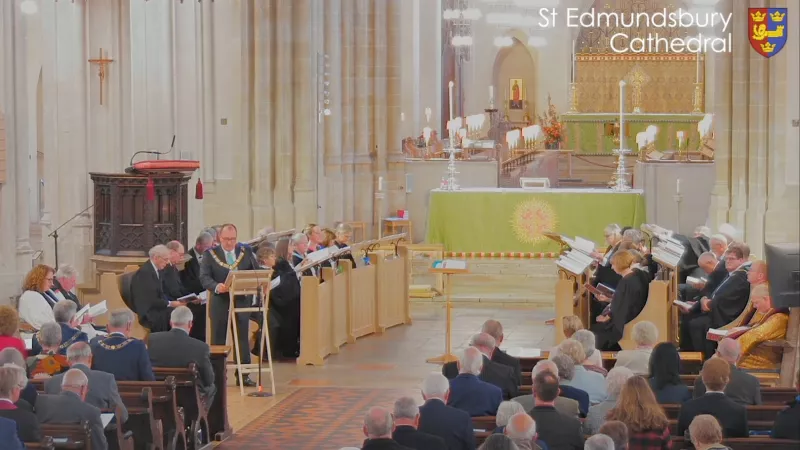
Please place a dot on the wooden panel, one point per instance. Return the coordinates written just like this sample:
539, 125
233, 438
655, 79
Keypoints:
2, 149
392, 291
339, 305
362, 302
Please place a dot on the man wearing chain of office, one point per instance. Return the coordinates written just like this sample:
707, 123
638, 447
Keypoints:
214, 268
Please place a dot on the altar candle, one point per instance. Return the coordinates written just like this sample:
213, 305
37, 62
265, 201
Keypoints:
427, 114
450, 89
697, 77
681, 136
678, 186
622, 114
491, 95
402, 117
573, 60
380, 184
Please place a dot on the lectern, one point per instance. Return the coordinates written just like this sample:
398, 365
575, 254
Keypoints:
447, 356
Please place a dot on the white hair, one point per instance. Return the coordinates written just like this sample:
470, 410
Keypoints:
74, 377
11, 376
616, 379
50, 334
435, 385
707, 256
483, 340
182, 315
204, 238
587, 340
599, 442
298, 238
79, 352
721, 238
64, 311
119, 318
506, 410
471, 361
612, 229
158, 251
729, 350
524, 435
645, 333
703, 231
66, 271
566, 366
544, 365
405, 408
378, 422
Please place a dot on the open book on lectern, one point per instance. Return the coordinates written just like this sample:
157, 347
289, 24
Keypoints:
668, 251
575, 262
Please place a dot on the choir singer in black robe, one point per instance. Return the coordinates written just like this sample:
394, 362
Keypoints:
628, 301
284, 302
604, 274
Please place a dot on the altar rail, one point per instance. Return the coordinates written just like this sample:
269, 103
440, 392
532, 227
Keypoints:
353, 303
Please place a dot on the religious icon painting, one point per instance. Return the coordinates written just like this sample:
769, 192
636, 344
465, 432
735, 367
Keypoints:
767, 30
516, 97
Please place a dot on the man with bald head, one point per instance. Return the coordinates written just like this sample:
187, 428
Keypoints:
522, 430
497, 374
743, 388
757, 273
495, 329
378, 427
69, 407
468, 392
562, 404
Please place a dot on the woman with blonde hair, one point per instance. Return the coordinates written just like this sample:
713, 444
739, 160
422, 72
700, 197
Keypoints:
570, 325
314, 234
648, 427
627, 302
37, 301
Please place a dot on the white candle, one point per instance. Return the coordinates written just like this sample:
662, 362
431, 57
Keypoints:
622, 114
681, 136
402, 117
678, 186
450, 91
380, 184
427, 114
491, 94
573, 60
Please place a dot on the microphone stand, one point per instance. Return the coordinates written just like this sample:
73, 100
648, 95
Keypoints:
54, 234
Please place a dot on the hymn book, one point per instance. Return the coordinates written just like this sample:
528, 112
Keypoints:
686, 306
693, 280
716, 334
94, 311
599, 290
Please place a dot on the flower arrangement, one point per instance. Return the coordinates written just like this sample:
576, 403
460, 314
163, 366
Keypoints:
552, 127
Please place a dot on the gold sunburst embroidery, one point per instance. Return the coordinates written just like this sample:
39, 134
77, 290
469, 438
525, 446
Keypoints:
531, 219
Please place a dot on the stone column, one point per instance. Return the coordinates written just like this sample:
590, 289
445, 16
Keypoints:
739, 110
284, 113
262, 168
332, 194
395, 159
363, 161
348, 74
380, 102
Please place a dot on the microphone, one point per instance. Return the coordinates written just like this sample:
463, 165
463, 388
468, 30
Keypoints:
158, 154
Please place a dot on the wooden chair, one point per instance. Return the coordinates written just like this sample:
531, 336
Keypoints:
124, 284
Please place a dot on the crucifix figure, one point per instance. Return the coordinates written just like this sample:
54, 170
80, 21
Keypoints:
101, 62
637, 78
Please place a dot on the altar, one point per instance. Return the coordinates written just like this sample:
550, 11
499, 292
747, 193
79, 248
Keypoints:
514, 220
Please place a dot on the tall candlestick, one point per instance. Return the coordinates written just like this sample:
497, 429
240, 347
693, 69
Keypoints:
697, 76
573, 60
622, 114
380, 184
678, 186
450, 91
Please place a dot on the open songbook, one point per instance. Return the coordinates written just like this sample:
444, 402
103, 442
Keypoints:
93, 310
600, 289
575, 262
669, 251
200, 298
693, 280
686, 306
715, 334
580, 244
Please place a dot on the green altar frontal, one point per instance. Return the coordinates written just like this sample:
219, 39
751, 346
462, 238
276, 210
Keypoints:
514, 220
587, 133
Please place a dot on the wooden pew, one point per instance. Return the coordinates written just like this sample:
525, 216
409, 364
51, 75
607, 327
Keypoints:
165, 408
45, 444
755, 413
691, 362
218, 425
488, 423
72, 436
191, 400
148, 431
751, 443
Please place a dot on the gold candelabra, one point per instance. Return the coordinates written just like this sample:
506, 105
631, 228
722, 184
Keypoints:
697, 99
683, 154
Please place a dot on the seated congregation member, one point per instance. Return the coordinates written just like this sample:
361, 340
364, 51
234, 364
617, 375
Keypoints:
605, 274
190, 275
522, 430
785, 426
645, 335
505, 411
587, 340
102, 393
378, 427
648, 427
570, 325
724, 304
344, 233
37, 301
9, 327
563, 404
705, 433
174, 288
558, 431
299, 252
436, 418
49, 361
742, 387
495, 329
707, 264
284, 302
731, 415
468, 392
628, 301
328, 238
406, 422
617, 431
174, 348
757, 274
616, 379
147, 290
28, 395
498, 442
315, 237
766, 324
64, 312
119, 354
665, 375
592, 383
64, 282
599, 442
70, 406
497, 374
12, 381
565, 374
9, 436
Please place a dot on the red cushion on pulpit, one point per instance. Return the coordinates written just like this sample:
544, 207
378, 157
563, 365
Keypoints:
166, 166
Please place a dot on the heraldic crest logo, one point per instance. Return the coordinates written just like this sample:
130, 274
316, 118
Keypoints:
531, 219
767, 27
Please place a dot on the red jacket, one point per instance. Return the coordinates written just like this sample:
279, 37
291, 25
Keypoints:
14, 342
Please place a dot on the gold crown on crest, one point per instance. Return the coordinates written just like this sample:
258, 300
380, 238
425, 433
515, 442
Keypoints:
777, 16
766, 47
758, 16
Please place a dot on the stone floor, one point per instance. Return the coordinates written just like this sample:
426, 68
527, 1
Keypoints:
396, 359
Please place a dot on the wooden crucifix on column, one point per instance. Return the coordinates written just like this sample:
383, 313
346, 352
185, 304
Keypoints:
101, 62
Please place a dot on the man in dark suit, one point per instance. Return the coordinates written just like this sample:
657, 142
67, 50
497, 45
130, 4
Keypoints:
69, 407
190, 275
120, 355
175, 348
732, 416
497, 374
406, 422
217, 263
64, 312
151, 303
8, 435
378, 427
742, 387
468, 393
435, 417
786, 421
175, 289
102, 389
64, 282
12, 378
558, 431
495, 329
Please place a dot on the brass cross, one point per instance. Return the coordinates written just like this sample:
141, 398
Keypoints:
637, 78
101, 62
